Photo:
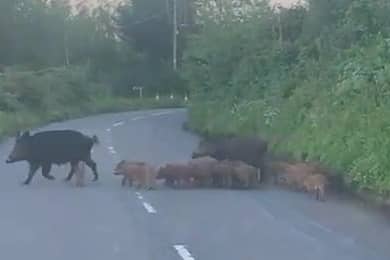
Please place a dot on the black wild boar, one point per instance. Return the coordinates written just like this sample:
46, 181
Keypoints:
250, 150
53, 147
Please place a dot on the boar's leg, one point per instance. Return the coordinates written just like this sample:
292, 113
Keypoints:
320, 194
33, 169
216, 181
261, 171
128, 180
124, 180
227, 181
91, 164
46, 167
73, 168
169, 181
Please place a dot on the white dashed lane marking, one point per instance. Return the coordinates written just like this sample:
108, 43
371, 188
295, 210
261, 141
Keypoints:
116, 249
149, 208
108, 129
118, 124
183, 252
111, 150
321, 227
139, 196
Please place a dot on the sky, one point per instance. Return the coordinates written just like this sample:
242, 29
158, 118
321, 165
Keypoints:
95, 2
284, 2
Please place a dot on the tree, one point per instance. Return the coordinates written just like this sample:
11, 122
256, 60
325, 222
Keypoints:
147, 25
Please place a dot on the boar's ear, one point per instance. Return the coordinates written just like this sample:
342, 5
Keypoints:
207, 136
26, 134
204, 140
120, 163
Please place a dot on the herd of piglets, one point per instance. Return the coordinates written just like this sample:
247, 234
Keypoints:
227, 162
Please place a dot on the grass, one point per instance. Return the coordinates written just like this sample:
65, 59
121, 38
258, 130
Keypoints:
10, 122
360, 168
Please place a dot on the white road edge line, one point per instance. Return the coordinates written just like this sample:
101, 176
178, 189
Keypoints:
138, 118
268, 214
161, 113
149, 208
183, 252
118, 124
323, 228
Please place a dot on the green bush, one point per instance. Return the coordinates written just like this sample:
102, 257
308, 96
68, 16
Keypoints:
30, 98
324, 91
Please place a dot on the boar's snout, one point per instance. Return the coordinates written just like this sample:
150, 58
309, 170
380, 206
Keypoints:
204, 149
161, 172
11, 159
195, 155
118, 171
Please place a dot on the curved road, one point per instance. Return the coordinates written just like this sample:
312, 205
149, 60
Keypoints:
55, 220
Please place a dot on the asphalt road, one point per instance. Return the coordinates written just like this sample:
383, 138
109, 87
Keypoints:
55, 220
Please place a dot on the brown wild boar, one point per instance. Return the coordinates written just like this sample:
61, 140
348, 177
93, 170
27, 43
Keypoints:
292, 180
310, 168
80, 174
226, 171
137, 172
245, 173
223, 174
202, 169
316, 184
176, 174
303, 176
292, 175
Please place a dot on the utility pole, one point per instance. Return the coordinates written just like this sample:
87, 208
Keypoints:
66, 48
174, 36
280, 27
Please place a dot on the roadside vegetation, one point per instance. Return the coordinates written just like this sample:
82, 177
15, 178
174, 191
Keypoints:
59, 61
311, 79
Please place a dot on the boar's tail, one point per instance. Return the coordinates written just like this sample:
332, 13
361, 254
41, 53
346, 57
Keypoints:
95, 139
